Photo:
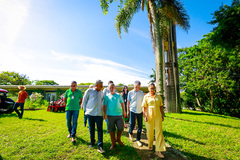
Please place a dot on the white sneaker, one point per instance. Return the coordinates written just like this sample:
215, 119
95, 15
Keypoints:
100, 150
130, 137
139, 143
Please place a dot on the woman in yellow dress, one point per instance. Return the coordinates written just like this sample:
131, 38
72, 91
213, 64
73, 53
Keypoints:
153, 116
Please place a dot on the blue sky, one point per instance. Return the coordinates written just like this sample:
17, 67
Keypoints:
65, 40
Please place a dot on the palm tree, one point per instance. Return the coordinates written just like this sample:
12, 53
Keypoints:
159, 13
153, 76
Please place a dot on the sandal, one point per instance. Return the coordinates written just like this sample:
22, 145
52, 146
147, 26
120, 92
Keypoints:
159, 154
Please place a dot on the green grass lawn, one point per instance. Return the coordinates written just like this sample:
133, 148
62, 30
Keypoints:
42, 135
201, 135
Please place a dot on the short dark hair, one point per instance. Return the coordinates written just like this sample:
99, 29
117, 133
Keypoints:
110, 82
74, 82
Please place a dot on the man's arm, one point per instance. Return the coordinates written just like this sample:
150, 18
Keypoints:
104, 108
65, 100
128, 112
80, 102
123, 108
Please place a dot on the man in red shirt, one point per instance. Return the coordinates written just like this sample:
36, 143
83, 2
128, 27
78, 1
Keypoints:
22, 95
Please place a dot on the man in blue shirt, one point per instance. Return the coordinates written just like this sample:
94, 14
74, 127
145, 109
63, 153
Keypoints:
113, 110
92, 105
134, 108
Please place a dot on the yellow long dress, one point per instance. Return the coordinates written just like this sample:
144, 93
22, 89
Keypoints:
154, 121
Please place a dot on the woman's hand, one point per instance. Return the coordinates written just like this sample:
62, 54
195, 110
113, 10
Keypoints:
145, 118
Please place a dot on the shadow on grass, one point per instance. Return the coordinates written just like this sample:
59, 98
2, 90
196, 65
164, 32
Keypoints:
35, 119
211, 123
198, 113
79, 141
1, 157
169, 134
8, 115
120, 152
194, 156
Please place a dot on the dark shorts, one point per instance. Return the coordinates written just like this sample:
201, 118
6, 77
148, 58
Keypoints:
115, 121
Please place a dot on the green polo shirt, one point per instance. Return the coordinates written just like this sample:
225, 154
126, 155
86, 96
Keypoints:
73, 99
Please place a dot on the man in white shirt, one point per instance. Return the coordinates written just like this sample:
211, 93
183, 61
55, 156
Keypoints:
134, 109
92, 105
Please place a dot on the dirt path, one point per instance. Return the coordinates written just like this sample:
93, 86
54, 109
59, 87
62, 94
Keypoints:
146, 154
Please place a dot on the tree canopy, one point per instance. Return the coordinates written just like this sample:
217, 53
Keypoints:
210, 77
45, 82
13, 78
227, 31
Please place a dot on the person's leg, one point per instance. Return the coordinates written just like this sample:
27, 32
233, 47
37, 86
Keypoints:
160, 142
85, 120
99, 121
132, 122
15, 109
120, 125
69, 121
113, 139
139, 125
150, 133
91, 126
74, 126
22, 109
111, 127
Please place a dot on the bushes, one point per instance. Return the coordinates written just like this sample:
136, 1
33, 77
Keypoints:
35, 101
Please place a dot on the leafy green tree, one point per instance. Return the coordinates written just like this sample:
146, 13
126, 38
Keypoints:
211, 75
45, 82
13, 78
159, 11
153, 76
85, 84
227, 31
120, 84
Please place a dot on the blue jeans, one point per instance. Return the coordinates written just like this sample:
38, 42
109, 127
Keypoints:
21, 108
72, 117
91, 123
139, 123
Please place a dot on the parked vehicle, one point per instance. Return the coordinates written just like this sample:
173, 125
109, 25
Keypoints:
6, 104
56, 106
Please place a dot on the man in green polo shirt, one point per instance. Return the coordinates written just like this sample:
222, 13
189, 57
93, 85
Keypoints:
73, 99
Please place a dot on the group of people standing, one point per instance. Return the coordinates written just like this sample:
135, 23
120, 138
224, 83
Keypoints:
112, 107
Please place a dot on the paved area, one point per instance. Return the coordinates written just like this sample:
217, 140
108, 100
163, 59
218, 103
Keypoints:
146, 154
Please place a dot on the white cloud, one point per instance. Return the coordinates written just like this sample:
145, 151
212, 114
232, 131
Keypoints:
63, 68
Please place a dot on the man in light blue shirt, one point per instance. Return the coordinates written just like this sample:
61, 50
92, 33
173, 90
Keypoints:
113, 110
134, 109
92, 105
105, 92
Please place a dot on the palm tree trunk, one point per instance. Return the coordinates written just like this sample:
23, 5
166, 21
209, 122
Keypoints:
175, 68
172, 103
158, 48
